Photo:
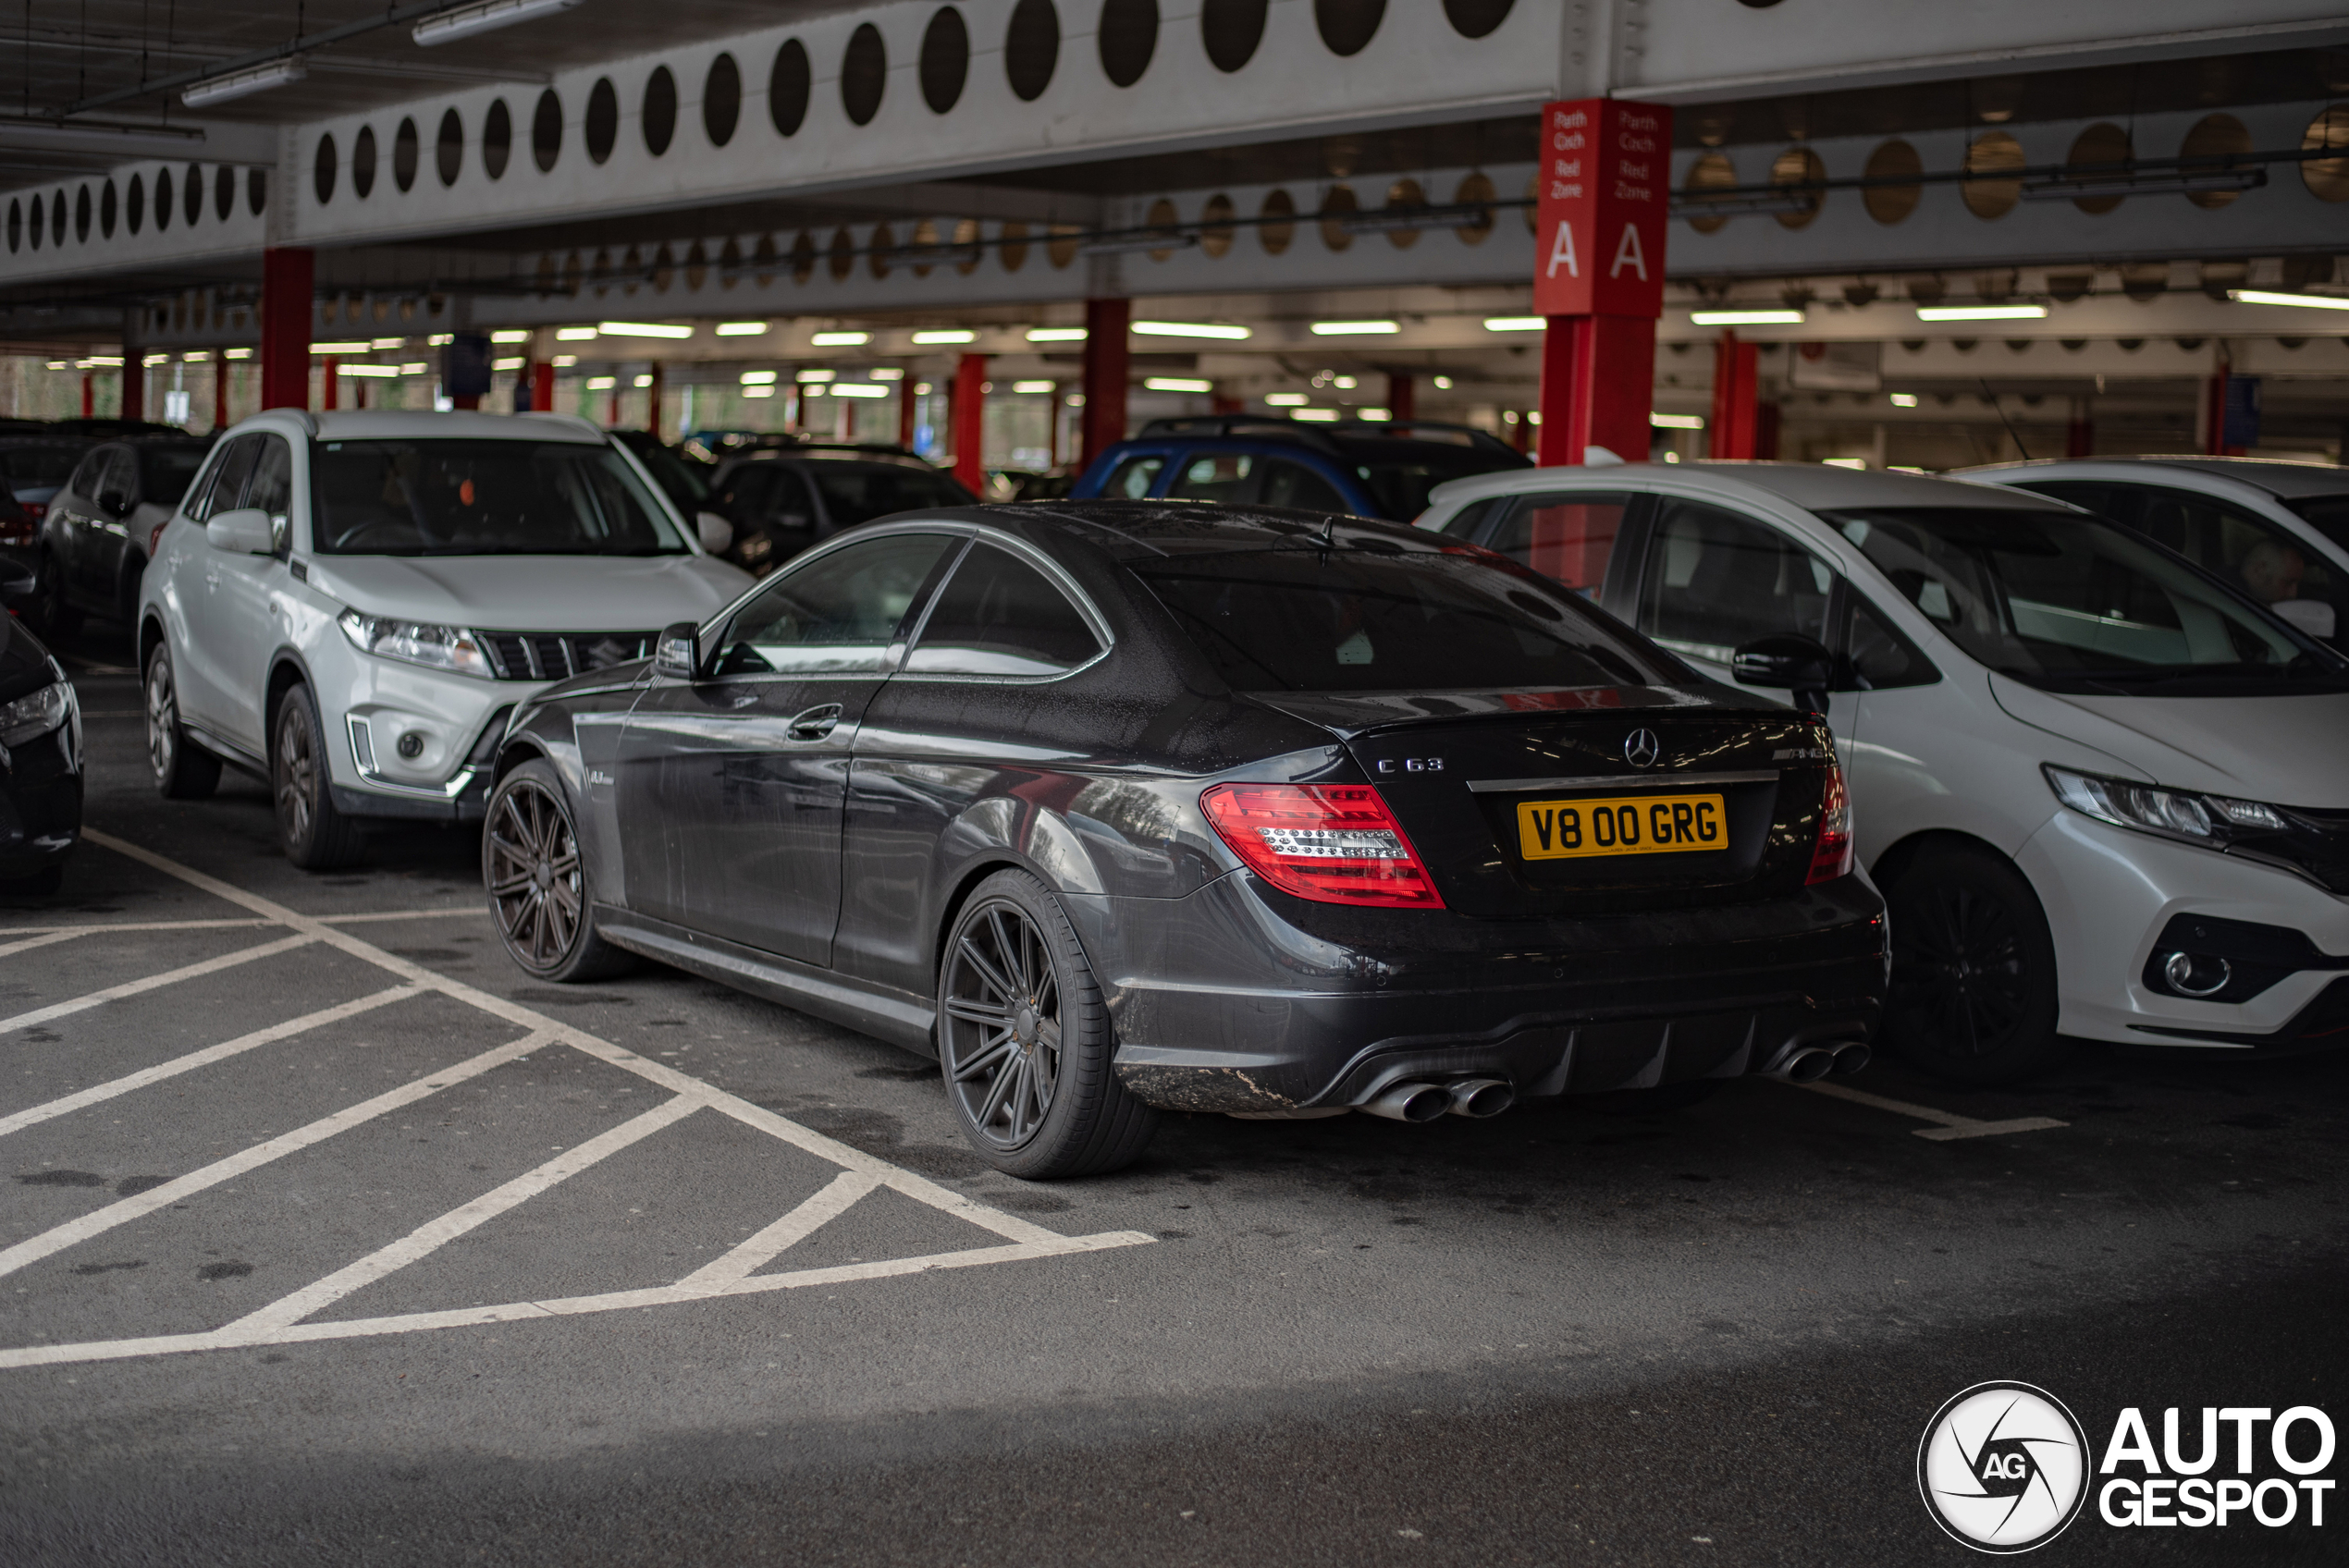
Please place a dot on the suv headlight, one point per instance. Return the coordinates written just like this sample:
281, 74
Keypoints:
31, 716
2213, 820
451, 648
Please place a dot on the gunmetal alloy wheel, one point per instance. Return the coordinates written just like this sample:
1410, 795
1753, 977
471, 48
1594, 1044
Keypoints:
536, 885
182, 772
297, 781
1003, 1032
1973, 982
316, 835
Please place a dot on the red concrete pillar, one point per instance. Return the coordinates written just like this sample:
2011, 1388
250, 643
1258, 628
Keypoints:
542, 388
1521, 432
906, 410
2080, 432
219, 389
1735, 367
134, 383
89, 395
1598, 275
330, 391
969, 414
288, 276
652, 402
1105, 374
612, 421
358, 392
1400, 395
1766, 433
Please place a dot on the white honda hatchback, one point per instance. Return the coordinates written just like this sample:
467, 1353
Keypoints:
2105, 791
350, 604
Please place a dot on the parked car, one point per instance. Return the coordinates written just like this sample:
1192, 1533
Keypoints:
350, 604
1115, 806
100, 527
40, 762
2280, 531
1364, 470
2106, 792
37, 462
782, 499
683, 478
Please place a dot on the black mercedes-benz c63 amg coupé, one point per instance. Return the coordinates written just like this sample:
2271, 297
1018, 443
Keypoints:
1115, 807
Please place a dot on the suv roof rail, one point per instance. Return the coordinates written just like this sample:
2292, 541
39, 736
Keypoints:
1262, 426
1407, 429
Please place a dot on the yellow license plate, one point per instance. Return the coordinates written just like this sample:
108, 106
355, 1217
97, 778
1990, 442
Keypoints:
1636, 825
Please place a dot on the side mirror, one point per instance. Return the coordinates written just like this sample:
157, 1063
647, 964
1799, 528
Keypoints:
2312, 616
716, 532
1788, 659
677, 652
242, 532
114, 503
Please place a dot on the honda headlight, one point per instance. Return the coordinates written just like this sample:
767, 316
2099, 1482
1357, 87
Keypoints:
2214, 820
31, 716
451, 648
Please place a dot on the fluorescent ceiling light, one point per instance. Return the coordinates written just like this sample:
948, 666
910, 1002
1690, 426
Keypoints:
1031, 389
1286, 399
440, 339
1443, 383
516, 362
600, 383
244, 83
416, 367
811, 389
466, 20
758, 379
59, 364
1904, 400
564, 361
575, 335
195, 356
1746, 318
641, 329
742, 329
237, 353
1318, 416
1514, 324
1190, 329
841, 339
370, 372
1178, 383
820, 375
643, 381
1677, 422
887, 373
1354, 328
947, 335
1981, 312
1344, 383
1845, 462
1056, 335
387, 343
859, 389
759, 391
511, 335
2267, 297
1375, 416
361, 346
152, 359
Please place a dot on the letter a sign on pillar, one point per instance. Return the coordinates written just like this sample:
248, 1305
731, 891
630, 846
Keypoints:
1598, 272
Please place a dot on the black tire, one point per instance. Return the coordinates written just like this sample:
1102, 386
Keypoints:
316, 834
1974, 969
51, 607
1023, 1040
537, 880
182, 770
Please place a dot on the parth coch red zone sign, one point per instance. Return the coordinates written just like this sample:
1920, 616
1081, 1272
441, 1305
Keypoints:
1607, 176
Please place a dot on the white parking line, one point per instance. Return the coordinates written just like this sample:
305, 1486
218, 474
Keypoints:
153, 982
1948, 1126
99, 927
31, 942
205, 1057
835, 1200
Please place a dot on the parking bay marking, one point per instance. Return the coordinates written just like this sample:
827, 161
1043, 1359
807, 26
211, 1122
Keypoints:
729, 1275
1950, 1126
44, 934
153, 982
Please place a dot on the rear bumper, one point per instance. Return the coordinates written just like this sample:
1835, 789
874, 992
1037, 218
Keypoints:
1240, 998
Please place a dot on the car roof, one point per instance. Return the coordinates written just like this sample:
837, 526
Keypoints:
1813, 486
1144, 530
417, 424
2266, 473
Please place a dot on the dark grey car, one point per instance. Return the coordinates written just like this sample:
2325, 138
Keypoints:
101, 526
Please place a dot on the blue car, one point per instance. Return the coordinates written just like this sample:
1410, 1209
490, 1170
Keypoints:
1361, 469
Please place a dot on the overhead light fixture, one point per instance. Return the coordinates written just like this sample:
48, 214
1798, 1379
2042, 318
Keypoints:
1981, 312
2268, 297
1904, 400
1033, 388
59, 364
1190, 329
811, 389
1178, 383
1746, 318
1356, 328
414, 367
195, 356
758, 379
1374, 416
1677, 422
151, 361
440, 339
1344, 383
236, 353
859, 389
564, 361
466, 20
1515, 323
1286, 399
1441, 383
742, 329
245, 83
759, 391
819, 374
360, 346
600, 383
946, 335
641, 329
575, 335
373, 373
1056, 335
515, 362
387, 343
643, 381
1845, 462
511, 335
1318, 416
887, 373
841, 339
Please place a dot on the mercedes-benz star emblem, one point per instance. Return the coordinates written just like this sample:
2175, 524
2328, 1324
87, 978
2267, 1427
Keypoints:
1641, 748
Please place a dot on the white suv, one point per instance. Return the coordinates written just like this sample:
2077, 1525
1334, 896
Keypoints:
350, 604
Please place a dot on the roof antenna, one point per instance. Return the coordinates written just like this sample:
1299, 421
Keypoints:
2003, 420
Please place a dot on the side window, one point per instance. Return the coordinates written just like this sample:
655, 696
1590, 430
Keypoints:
789, 506
1213, 476
1131, 480
271, 486
2252, 554
1566, 537
226, 490
999, 616
1714, 579
1881, 657
836, 615
121, 477
84, 482
1292, 484
1467, 523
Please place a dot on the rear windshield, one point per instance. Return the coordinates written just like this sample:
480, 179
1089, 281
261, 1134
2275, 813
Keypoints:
483, 498
857, 493
165, 472
1306, 619
1400, 488
2328, 514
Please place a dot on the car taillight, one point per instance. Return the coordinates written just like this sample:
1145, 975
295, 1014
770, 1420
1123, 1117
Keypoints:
1334, 843
18, 531
1833, 857
155, 537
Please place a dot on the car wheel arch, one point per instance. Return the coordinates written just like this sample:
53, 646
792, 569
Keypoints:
966, 879
1897, 856
285, 672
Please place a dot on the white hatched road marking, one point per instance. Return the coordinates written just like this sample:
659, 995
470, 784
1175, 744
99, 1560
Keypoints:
31, 942
153, 982
101, 927
280, 1322
1948, 1126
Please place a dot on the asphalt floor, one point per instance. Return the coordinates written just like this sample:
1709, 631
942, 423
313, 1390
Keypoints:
329, 1237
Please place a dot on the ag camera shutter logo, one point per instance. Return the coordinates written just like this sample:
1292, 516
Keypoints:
2003, 1467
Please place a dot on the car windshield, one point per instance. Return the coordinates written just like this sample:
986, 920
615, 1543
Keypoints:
40, 466
165, 473
1307, 619
859, 492
2329, 515
1400, 488
686, 483
2072, 603
493, 497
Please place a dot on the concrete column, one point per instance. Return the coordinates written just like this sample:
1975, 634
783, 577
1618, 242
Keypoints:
652, 402
908, 407
1105, 373
1598, 379
970, 423
1400, 395
1731, 430
288, 278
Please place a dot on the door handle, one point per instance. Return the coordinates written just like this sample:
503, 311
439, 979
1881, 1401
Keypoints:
815, 724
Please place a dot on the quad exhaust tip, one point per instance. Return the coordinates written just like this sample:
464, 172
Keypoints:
1849, 1058
1808, 1064
1481, 1097
1412, 1102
